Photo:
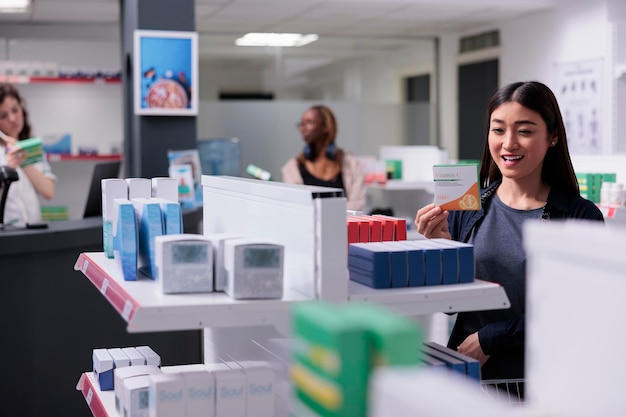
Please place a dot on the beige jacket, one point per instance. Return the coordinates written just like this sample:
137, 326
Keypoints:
352, 180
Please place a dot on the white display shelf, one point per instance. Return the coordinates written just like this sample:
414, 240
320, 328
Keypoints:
101, 403
405, 185
146, 309
478, 295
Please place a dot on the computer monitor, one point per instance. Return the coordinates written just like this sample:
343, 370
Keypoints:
101, 171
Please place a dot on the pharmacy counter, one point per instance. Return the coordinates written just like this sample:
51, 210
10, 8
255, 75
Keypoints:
52, 318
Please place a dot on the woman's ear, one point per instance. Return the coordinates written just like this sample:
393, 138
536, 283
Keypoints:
554, 141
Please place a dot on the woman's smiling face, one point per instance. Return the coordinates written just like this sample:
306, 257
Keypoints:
518, 141
11, 117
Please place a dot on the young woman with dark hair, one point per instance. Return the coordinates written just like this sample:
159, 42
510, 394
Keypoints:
526, 173
22, 204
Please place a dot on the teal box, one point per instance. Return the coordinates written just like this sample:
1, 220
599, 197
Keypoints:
150, 225
33, 149
125, 238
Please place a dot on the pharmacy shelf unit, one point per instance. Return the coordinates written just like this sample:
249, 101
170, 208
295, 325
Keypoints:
394, 185
101, 403
146, 309
142, 305
478, 295
308, 221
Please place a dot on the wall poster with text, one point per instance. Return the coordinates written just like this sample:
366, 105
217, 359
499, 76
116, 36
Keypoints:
579, 93
165, 73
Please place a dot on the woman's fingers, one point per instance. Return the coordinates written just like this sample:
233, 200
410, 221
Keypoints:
432, 222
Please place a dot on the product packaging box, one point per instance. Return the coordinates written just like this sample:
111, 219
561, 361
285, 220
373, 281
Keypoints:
398, 258
466, 262
260, 388
165, 187
456, 187
254, 269
199, 392
415, 263
103, 368
184, 263
112, 188
451, 362
392, 337
369, 265
184, 178
139, 188
472, 366
125, 239
399, 226
376, 228
219, 273
134, 356
448, 259
151, 357
172, 215
230, 395
33, 149
331, 360
120, 359
149, 225
363, 227
353, 230
135, 397
120, 374
435, 363
388, 226
432, 263
166, 393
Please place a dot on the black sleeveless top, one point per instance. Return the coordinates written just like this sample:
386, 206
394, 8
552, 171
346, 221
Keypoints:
309, 179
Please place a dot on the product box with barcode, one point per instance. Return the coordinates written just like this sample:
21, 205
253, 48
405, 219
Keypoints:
456, 187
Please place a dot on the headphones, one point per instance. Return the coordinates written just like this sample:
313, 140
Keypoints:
331, 151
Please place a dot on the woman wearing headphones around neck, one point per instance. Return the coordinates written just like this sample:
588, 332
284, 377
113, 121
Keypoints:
22, 204
321, 162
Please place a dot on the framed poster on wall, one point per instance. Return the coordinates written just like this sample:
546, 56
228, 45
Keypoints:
579, 93
165, 73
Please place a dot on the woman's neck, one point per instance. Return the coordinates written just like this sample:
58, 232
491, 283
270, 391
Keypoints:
323, 168
523, 195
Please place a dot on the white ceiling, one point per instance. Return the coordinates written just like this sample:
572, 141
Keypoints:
347, 28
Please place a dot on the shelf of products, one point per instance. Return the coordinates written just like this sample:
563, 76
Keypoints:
142, 305
404, 185
145, 308
478, 295
101, 403
55, 157
28, 79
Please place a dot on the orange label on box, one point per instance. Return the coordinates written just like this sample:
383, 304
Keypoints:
456, 187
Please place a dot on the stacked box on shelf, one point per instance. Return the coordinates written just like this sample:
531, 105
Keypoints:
376, 228
134, 214
336, 350
452, 363
411, 263
471, 366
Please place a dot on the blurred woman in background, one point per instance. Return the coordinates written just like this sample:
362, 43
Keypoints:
321, 162
35, 179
